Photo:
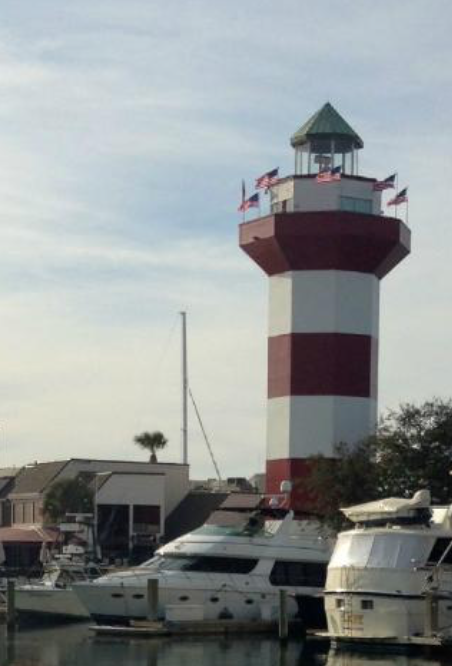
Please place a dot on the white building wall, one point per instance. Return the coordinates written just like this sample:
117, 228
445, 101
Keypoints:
134, 489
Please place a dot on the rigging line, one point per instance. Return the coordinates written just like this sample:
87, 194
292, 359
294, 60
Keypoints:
165, 346
206, 439
157, 366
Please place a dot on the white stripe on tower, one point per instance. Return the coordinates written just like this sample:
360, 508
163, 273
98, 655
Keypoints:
323, 302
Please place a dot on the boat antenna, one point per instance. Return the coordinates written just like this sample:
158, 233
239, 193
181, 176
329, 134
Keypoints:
206, 439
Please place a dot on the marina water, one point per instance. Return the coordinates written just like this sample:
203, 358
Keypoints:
75, 646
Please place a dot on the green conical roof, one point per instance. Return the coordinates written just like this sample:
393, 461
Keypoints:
326, 123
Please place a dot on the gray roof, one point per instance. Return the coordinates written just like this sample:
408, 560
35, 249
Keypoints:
6, 484
191, 513
36, 478
242, 501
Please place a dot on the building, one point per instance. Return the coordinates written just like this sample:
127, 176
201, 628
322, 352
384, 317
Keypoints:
134, 500
7, 480
325, 247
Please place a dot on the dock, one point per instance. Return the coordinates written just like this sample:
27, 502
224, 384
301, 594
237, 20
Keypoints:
386, 643
196, 627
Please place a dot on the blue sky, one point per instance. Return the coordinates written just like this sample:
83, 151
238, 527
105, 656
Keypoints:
125, 130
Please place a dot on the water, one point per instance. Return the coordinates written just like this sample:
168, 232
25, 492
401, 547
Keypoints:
76, 646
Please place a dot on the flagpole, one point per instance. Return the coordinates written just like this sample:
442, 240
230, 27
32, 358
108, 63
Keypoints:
397, 188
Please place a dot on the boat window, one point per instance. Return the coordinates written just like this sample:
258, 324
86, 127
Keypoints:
438, 551
206, 564
367, 604
389, 550
298, 574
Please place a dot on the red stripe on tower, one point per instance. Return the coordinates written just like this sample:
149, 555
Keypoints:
321, 364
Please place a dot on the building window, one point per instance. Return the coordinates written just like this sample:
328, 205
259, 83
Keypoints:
28, 513
18, 512
355, 205
367, 604
298, 574
340, 603
146, 519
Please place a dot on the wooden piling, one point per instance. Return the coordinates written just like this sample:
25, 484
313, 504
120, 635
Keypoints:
283, 617
431, 614
10, 605
153, 599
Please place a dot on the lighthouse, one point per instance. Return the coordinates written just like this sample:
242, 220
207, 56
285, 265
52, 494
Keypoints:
325, 247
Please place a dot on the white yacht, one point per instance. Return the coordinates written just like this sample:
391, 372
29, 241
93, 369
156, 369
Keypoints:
52, 595
232, 567
390, 578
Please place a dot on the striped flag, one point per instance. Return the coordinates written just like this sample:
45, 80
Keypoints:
267, 180
251, 202
400, 197
329, 175
385, 184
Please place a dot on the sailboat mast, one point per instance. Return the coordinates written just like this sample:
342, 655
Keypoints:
184, 390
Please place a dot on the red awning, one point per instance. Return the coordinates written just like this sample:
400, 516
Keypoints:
16, 535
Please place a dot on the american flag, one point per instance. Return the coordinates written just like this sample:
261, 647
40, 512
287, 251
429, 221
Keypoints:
400, 197
251, 202
267, 180
329, 175
385, 184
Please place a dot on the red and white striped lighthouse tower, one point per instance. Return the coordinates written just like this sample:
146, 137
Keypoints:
325, 248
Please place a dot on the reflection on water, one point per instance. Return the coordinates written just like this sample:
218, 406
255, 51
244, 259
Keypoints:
342, 658
75, 646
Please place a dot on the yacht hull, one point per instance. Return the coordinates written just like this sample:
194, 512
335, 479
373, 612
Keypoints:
387, 604
58, 603
390, 617
109, 603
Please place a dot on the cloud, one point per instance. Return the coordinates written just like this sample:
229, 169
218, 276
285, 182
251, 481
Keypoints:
125, 131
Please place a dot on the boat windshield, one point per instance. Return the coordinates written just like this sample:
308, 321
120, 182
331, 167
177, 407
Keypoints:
390, 550
265, 530
201, 563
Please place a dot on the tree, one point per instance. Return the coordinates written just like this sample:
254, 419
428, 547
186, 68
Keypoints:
414, 450
68, 496
351, 477
411, 450
151, 441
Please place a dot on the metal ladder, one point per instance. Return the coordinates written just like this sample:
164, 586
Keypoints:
347, 575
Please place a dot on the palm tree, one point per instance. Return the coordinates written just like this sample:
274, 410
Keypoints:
151, 441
